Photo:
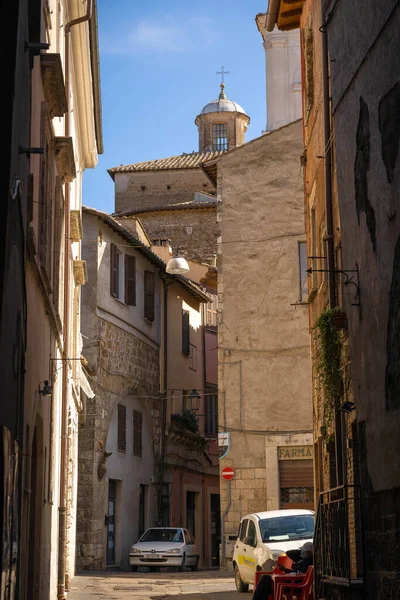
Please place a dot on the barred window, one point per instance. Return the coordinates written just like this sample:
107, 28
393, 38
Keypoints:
297, 495
220, 136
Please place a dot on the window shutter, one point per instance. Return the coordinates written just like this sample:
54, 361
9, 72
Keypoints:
137, 433
185, 333
130, 280
113, 271
149, 295
121, 427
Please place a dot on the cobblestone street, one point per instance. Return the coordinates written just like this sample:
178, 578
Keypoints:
203, 585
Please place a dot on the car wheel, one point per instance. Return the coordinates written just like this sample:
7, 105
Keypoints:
196, 564
182, 567
240, 585
134, 569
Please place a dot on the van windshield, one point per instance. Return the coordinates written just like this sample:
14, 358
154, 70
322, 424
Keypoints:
294, 527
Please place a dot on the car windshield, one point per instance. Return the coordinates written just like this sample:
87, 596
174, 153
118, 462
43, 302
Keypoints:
162, 535
294, 527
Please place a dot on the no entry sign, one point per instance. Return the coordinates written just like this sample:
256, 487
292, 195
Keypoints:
228, 473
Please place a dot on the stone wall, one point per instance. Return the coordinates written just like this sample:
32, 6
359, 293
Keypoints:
194, 231
153, 189
122, 365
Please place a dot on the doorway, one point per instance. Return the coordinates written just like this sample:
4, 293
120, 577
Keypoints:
142, 510
191, 512
35, 513
215, 529
110, 521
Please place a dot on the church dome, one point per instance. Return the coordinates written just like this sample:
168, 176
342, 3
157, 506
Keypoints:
222, 105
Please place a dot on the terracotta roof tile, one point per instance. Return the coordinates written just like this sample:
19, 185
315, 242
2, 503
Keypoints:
183, 161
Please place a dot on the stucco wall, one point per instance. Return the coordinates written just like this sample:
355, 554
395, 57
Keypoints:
264, 366
130, 471
367, 154
366, 100
184, 372
129, 194
283, 76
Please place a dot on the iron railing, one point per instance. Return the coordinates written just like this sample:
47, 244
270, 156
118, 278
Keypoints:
338, 556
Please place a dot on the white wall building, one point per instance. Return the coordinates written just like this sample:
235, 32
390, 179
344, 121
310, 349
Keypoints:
283, 75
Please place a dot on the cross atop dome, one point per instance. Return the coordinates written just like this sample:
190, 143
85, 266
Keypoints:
222, 72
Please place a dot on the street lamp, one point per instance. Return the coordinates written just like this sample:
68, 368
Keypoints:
47, 389
194, 400
177, 265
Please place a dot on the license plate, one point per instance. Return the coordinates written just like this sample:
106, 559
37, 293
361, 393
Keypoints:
152, 555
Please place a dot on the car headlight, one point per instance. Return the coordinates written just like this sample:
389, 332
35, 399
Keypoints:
275, 554
136, 551
173, 551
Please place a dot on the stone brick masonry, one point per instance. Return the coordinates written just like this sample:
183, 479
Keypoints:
124, 364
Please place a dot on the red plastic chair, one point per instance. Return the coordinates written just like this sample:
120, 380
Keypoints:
283, 561
288, 587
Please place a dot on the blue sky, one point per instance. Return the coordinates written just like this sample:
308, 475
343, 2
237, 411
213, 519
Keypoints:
157, 65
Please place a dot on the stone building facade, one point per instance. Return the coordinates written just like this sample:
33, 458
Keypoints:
263, 341
174, 197
192, 228
122, 349
351, 201
139, 467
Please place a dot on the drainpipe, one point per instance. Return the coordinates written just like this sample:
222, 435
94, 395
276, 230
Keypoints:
328, 163
166, 284
62, 509
223, 553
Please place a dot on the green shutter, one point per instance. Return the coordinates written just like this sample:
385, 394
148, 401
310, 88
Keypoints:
149, 295
130, 280
185, 333
113, 271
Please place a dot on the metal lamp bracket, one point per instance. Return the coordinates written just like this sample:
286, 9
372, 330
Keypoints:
351, 278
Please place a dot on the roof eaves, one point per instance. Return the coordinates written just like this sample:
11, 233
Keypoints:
106, 218
156, 260
171, 207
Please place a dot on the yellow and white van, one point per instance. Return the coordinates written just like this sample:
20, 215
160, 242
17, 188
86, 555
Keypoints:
265, 536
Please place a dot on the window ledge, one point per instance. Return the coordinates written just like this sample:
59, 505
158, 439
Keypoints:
148, 321
119, 300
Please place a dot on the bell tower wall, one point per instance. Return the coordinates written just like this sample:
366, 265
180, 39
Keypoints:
236, 129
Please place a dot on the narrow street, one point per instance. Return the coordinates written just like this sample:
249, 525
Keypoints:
203, 585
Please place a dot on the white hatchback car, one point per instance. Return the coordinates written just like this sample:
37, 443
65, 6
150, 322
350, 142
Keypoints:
265, 536
165, 547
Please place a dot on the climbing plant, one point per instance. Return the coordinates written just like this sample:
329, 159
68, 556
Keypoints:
328, 355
